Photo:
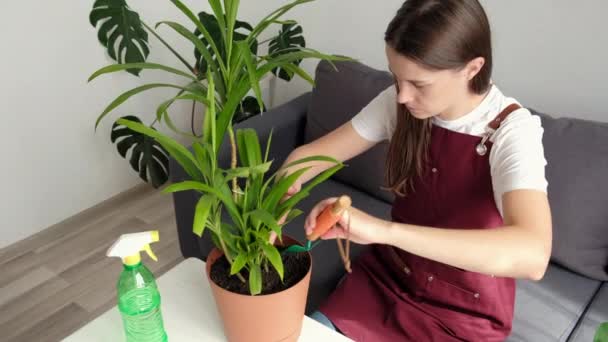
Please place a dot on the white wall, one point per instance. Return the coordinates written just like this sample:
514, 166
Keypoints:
53, 164
549, 54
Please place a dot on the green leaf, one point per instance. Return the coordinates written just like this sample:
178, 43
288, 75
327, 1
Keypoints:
209, 122
284, 22
268, 145
261, 169
280, 188
221, 194
602, 333
148, 158
126, 95
151, 66
194, 40
232, 7
248, 146
238, 263
255, 279
216, 31
122, 28
290, 57
202, 158
292, 215
312, 158
294, 69
275, 258
177, 151
289, 38
229, 238
227, 113
216, 6
195, 97
273, 16
251, 70
244, 172
162, 114
163, 107
201, 213
201, 28
266, 218
309, 186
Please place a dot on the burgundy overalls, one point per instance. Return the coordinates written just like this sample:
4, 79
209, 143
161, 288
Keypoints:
392, 295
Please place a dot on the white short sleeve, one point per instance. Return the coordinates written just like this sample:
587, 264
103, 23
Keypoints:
376, 121
517, 159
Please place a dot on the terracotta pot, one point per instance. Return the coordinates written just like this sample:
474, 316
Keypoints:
262, 318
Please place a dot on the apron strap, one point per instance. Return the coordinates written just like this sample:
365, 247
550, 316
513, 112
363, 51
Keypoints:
493, 126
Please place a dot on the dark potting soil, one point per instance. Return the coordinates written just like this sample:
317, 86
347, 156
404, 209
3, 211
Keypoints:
295, 267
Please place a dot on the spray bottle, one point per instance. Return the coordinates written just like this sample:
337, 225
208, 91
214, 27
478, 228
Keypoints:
138, 296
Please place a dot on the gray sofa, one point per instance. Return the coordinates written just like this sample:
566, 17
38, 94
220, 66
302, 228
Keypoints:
570, 301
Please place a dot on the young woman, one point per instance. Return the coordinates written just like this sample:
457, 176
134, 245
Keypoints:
467, 166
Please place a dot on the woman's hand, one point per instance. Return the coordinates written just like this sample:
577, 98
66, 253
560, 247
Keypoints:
364, 229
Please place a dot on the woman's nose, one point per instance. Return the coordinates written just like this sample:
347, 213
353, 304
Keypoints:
405, 95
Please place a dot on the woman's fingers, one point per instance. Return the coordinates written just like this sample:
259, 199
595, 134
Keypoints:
335, 232
311, 220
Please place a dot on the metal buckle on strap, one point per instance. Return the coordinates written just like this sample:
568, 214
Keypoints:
481, 148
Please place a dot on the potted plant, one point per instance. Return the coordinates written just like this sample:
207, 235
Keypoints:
602, 333
260, 287
212, 35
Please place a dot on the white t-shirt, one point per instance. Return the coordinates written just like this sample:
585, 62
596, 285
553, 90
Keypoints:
517, 159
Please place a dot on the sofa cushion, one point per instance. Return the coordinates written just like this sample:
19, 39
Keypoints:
595, 315
549, 310
337, 97
577, 171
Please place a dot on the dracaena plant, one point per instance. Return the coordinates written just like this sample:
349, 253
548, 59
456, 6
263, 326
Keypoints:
254, 203
601, 334
226, 50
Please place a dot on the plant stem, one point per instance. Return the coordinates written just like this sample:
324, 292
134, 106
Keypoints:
192, 118
264, 41
151, 30
230, 259
233, 159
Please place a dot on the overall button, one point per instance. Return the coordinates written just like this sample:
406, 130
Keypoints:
430, 278
476, 295
434, 170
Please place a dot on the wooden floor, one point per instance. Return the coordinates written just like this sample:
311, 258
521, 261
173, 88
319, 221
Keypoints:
56, 281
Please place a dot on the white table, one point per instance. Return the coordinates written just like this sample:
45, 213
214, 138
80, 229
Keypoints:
189, 312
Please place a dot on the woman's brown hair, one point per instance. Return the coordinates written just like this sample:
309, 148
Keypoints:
439, 35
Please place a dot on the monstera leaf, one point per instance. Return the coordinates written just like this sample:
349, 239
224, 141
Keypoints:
289, 40
147, 156
213, 27
248, 108
121, 32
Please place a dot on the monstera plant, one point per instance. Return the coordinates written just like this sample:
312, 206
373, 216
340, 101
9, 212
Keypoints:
226, 49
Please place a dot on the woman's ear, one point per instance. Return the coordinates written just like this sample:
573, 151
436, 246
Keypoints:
474, 67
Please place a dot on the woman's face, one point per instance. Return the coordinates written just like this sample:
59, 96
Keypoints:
425, 92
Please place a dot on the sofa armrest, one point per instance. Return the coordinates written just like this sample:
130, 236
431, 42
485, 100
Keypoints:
287, 122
